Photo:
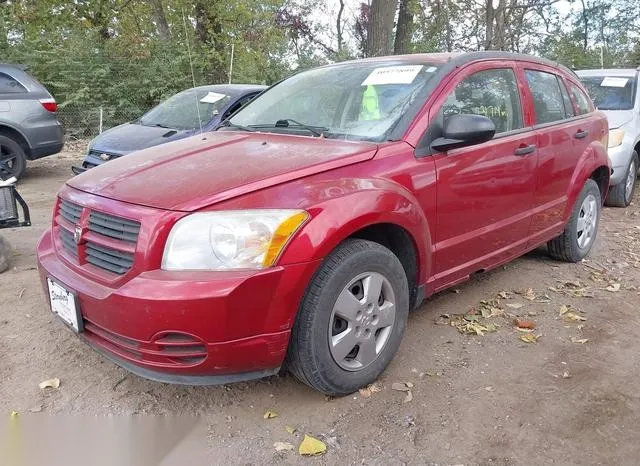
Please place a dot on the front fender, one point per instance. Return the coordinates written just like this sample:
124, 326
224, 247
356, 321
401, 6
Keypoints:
349, 205
594, 157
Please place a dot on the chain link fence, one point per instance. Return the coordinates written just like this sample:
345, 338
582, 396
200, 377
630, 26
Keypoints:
86, 123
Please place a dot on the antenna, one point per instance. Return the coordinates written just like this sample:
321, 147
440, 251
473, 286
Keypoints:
193, 76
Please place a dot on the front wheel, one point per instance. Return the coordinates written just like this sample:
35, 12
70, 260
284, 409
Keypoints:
576, 241
351, 320
621, 194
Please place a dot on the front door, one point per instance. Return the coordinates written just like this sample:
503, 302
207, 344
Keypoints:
484, 192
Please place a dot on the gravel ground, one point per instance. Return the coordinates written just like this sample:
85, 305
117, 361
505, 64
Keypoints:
489, 399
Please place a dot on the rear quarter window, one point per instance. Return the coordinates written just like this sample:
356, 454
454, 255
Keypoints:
9, 85
583, 103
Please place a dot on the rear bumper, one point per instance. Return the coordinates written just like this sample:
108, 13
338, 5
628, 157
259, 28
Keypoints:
187, 327
45, 139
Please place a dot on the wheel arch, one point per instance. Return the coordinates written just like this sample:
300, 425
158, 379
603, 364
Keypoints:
13, 133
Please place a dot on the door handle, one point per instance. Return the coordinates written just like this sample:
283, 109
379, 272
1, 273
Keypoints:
530, 149
581, 134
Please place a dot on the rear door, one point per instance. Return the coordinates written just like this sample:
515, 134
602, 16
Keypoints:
485, 191
561, 138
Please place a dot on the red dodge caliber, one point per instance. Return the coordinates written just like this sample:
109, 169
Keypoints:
302, 232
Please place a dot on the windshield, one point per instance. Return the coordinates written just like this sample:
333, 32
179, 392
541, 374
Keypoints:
361, 101
611, 93
181, 112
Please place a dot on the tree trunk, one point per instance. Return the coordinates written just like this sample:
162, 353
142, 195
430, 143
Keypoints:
208, 32
339, 25
404, 30
499, 32
159, 18
585, 25
488, 21
380, 27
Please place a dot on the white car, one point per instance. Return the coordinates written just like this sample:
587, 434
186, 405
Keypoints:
615, 92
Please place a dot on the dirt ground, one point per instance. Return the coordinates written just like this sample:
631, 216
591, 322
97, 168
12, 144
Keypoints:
490, 399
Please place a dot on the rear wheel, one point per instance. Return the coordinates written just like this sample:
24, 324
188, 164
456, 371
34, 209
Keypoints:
351, 320
621, 194
12, 158
576, 241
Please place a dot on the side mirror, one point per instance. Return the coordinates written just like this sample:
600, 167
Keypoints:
464, 130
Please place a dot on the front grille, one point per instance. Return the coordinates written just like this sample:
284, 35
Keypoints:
68, 243
114, 227
70, 211
108, 241
109, 259
105, 156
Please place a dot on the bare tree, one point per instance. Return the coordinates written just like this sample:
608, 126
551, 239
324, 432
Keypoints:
380, 27
339, 26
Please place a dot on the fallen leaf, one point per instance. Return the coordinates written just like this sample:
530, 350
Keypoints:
614, 287
408, 398
369, 390
574, 317
409, 384
564, 309
14, 413
521, 323
529, 294
530, 338
515, 305
399, 386
442, 320
50, 383
495, 312
270, 414
566, 375
311, 446
491, 327
283, 446
581, 341
290, 430
489, 389
503, 294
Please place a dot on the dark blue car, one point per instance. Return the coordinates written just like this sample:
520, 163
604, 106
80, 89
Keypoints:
178, 117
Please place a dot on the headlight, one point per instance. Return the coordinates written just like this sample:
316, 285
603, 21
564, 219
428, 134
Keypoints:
615, 137
241, 239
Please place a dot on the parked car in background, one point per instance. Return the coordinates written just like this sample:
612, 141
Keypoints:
178, 117
302, 232
615, 92
29, 128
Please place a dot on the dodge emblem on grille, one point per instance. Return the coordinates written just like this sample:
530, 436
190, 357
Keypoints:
77, 234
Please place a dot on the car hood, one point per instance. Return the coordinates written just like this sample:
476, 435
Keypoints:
196, 172
130, 137
617, 118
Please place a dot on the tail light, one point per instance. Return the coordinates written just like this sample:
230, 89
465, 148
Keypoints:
49, 104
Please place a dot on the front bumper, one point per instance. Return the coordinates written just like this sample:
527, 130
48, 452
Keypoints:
187, 327
620, 157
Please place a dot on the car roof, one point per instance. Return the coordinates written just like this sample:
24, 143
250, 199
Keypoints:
625, 72
232, 89
457, 59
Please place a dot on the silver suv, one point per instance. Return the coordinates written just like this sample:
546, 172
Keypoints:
615, 92
29, 128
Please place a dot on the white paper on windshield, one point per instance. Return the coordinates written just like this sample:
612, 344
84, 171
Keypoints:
614, 82
212, 98
392, 75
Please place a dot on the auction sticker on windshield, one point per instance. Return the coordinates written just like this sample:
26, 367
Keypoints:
392, 75
614, 82
63, 303
212, 98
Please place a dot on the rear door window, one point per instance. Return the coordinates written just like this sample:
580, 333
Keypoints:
581, 100
491, 93
547, 96
9, 85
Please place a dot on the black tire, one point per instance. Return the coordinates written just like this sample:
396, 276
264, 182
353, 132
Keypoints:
566, 247
618, 195
309, 356
13, 161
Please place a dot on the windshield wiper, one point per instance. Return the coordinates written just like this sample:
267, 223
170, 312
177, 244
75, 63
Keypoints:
228, 124
160, 125
286, 123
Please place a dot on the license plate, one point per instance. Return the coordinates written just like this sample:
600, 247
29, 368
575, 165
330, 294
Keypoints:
65, 305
